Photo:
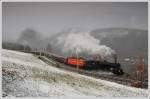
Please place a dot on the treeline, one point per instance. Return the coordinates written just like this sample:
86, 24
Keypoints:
21, 47
15, 46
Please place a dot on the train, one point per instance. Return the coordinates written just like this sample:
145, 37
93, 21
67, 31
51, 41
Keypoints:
82, 63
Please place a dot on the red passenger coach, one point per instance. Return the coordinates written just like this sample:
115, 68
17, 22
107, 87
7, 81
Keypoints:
76, 62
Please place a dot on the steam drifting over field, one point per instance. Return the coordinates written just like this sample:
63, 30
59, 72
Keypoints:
84, 43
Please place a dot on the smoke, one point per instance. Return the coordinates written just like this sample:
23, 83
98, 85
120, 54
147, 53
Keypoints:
31, 37
83, 43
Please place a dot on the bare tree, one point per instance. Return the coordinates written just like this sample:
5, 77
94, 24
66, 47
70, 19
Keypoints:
140, 72
140, 69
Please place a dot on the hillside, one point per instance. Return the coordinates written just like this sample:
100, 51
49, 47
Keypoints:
25, 75
127, 42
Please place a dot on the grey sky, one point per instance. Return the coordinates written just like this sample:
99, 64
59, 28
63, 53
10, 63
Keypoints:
49, 18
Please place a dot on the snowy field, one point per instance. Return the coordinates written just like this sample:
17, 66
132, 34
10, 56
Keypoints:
24, 75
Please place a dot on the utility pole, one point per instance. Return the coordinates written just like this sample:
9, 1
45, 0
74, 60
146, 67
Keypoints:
77, 57
24, 45
24, 48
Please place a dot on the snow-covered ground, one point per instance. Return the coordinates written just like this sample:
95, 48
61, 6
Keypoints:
26, 75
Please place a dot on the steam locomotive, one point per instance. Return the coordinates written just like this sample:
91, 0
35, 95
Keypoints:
82, 63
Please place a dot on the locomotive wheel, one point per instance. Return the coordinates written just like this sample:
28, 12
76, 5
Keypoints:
118, 72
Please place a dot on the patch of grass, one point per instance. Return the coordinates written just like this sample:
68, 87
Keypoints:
65, 78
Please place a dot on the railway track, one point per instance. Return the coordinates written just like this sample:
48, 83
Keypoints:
47, 57
111, 78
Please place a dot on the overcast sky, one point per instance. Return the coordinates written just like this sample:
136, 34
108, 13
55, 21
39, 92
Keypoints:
50, 18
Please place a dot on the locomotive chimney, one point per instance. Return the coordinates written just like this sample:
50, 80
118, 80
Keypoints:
115, 58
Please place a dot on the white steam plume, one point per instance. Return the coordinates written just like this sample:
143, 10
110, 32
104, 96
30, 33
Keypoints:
85, 43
